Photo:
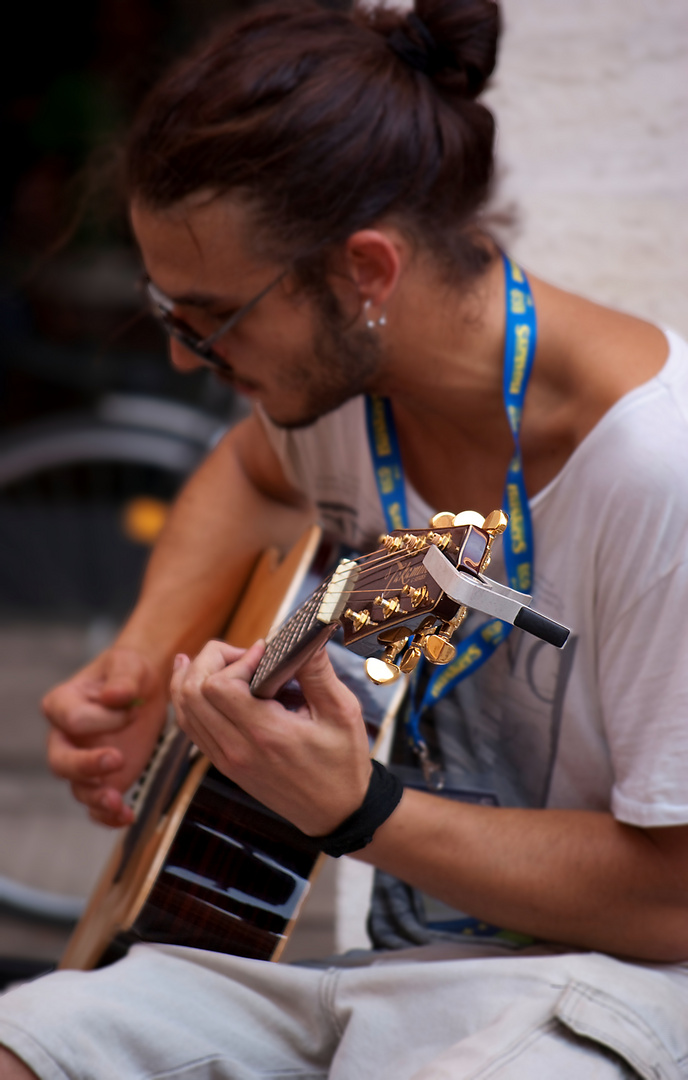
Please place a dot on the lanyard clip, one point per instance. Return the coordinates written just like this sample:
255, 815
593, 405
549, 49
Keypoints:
432, 772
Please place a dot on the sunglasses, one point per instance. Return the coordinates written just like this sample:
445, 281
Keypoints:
162, 308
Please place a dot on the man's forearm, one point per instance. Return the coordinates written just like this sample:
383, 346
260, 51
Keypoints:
573, 877
217, 528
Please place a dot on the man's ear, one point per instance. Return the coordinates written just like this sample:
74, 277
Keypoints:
373, 260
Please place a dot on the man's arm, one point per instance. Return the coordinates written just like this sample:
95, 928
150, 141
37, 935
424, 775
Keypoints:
236, 504
578, 878
106, 718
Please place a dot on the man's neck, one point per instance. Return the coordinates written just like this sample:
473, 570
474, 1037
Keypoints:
444, 350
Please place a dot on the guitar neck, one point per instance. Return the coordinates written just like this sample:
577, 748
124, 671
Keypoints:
304, 632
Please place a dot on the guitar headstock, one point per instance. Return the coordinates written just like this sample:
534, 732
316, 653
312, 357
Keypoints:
397, 607
404, 601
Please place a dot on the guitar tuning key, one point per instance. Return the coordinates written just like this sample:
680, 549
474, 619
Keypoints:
437, 649
394, 636
437, 646
383, 670
414, 543
469, 517
495, 524
359, 619
389, 607
409, 660
443, 520
416, 596
392, 543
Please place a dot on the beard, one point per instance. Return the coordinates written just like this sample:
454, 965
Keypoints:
343, 360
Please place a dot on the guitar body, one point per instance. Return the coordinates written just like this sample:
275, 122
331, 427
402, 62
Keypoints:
206, 865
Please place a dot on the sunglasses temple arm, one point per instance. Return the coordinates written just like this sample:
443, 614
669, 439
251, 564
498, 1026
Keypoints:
208, 342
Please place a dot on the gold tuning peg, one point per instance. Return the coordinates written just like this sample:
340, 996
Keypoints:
394, 637
359, 619
409, 660
389, 607
496, 522
383, 670
392, 543
469, 517
441, 540
437, 649
443, 520
414, 543
417, 596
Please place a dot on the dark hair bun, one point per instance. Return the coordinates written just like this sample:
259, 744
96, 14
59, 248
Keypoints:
465, 35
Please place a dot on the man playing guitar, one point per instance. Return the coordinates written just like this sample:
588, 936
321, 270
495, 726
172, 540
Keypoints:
307, 192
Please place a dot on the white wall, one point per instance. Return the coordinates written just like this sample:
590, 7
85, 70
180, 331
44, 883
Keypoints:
591, 99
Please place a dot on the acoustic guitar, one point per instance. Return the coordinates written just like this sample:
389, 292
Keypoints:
205, 864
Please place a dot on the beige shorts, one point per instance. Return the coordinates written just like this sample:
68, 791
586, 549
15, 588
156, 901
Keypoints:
181, 1013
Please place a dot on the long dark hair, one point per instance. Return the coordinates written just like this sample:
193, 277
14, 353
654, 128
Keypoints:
329, 121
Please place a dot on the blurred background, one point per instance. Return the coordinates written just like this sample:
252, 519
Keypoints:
97, 432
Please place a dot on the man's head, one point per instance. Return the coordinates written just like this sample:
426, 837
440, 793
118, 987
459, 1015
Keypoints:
321, 125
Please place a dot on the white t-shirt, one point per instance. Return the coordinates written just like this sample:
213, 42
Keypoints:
601, 724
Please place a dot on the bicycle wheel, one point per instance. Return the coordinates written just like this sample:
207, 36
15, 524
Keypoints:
70, 545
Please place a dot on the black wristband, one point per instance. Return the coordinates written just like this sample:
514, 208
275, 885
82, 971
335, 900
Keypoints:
382, 797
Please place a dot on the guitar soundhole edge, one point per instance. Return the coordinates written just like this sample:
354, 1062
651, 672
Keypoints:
231, 859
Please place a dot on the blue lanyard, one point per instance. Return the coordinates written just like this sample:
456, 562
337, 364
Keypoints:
476, 649
389, 472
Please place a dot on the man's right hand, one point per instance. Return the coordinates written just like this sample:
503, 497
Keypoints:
105, 723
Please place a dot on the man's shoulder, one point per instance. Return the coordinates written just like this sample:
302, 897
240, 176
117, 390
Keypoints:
643, 438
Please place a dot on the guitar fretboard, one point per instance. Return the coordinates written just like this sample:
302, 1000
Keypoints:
322, 609
289, 637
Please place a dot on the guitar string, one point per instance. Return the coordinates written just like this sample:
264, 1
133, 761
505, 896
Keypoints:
382, 557
373, 566
372, 561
